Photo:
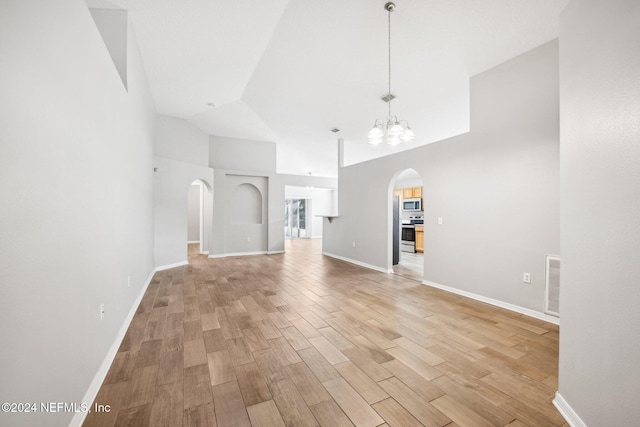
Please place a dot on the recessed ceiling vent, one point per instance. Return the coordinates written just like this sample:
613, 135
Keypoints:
335, 130
388, 97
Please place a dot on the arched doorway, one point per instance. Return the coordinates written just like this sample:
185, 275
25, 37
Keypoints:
406, 226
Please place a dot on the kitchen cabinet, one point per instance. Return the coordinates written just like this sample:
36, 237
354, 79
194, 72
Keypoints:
420, 238
412, 193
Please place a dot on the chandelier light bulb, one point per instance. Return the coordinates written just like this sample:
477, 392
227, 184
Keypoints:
396, 130
375, 133
408, 134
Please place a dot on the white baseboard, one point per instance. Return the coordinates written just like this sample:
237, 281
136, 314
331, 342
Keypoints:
246, 253
174, 265
204, 253
498, 303
361, 264
567, 411
193, 241
98, 379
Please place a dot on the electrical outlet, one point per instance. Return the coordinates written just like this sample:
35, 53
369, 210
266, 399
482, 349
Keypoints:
353, 244
526, 278
439, 220
248, 239
128, 281
101, 311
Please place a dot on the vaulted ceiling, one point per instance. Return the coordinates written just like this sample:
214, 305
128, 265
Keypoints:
288, 71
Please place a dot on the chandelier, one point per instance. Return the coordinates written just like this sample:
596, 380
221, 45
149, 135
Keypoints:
392, 130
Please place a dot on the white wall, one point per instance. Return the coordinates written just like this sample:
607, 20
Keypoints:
496, 189
247, 219
324, 203
310, 181
179, 140
173, 180
224, 237
113, 25
600, 174
182, 156
76, 172
241, 154
254, 161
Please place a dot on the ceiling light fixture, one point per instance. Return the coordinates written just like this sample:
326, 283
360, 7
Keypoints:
390, 129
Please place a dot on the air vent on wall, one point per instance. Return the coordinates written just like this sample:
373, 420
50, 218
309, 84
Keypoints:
552, 292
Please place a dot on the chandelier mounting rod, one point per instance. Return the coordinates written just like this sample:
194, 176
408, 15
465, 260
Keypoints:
389, 7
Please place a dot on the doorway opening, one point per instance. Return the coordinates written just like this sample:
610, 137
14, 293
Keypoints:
199, 212
295, 218
406, 227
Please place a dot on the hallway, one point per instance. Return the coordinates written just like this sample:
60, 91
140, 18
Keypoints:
300, 339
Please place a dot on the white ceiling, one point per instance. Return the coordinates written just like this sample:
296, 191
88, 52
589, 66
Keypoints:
287, 71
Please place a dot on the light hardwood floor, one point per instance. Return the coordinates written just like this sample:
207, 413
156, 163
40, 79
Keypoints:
299, 339
411, 266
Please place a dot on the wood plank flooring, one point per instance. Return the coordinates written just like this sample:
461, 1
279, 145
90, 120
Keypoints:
410, 265
299, 339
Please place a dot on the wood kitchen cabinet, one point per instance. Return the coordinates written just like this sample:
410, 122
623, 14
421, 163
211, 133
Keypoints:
412, 193
420, 238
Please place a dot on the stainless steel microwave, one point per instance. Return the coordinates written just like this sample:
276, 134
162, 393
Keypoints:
412, 205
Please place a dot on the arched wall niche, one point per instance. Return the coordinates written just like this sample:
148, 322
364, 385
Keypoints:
247, 204
245, 228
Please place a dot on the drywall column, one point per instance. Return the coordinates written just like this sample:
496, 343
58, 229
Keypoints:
275, 242
194, 212
599, 378
172, 181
